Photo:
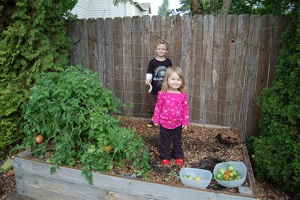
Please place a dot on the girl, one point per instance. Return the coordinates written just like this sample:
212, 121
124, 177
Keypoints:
172, 113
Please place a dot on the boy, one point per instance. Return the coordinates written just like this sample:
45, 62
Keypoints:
156, 72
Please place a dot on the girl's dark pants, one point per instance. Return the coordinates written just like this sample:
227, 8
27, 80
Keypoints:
166, 137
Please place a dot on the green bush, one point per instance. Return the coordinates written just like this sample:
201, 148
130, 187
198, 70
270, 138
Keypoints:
276, 150
33, 39
72, 110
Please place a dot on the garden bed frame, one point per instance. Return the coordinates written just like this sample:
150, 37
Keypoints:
33, 179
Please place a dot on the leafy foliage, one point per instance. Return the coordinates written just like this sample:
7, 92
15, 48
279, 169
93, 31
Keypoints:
72, 110
163, 9
276, 150
33, 39
117, 2
242, 7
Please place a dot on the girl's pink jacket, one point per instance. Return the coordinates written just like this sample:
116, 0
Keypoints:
171, 110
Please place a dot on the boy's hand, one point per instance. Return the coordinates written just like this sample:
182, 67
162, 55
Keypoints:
147, 82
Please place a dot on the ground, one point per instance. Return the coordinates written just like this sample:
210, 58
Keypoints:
204, 147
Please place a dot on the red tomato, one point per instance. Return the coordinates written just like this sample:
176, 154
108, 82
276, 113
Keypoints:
226, 177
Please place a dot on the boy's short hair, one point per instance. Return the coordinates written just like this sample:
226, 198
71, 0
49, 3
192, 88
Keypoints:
161, 41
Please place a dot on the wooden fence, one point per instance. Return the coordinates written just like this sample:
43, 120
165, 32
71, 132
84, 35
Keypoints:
227, 60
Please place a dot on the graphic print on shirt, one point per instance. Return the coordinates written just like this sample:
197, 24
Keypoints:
159, 74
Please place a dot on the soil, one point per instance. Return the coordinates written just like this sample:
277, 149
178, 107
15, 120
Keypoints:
204, 147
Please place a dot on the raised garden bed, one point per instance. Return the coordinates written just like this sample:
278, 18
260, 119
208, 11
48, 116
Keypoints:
33, 176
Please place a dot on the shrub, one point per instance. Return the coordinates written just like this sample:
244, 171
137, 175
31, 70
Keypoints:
33, 39
276, 151
72, 110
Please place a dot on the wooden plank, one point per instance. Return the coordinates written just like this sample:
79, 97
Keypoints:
127, 65
147, 54
118, 57
218, 84
84, 50
71, 35
68, 181
279, 25
138, 70
74, 32
209, 75
92, 45
109, 54
166, 33
263, 67
48, 188
225, 104
196, 100
100, 48
239, 68
155, 32
252, 57
176, 40
185, 63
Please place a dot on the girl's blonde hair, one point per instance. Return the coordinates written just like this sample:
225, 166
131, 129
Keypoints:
161, 41
169, 72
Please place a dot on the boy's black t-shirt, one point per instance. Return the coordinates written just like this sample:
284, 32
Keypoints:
158, 70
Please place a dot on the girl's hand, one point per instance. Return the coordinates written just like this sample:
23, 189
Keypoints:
184, 127
155, 124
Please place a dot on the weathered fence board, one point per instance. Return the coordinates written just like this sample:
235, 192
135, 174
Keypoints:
262, 72
84, 44
100, 48
279, 24
137, 75
196, 61
147, 54
186, 53
239, 75
227, 60
252, 58
229, 70
92, 44
109, 52
127, 63
118, 66
218, 65
209, 73
176, 43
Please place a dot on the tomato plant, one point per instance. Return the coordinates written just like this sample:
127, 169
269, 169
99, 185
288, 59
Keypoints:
74, 111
